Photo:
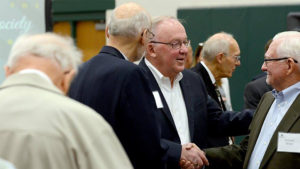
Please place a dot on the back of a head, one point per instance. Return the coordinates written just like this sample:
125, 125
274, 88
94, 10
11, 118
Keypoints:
216, 44
46, 45
128, 20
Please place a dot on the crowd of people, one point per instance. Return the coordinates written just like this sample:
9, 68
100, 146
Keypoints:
111, 113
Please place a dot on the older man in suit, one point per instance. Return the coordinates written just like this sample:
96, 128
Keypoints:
275, 130
187, 114
39, 126
118, 90
220, 57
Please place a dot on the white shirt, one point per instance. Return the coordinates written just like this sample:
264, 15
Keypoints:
175, 101
283, 101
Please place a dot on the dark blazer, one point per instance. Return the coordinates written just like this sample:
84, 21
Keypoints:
237, 157
210, 87
204, 116
254, 91
118, 90
213, 141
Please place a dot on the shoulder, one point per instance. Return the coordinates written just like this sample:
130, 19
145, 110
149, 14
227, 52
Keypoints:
189, 74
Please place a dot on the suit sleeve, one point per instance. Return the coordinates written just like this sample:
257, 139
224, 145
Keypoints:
227, 157
228, 123
139, 131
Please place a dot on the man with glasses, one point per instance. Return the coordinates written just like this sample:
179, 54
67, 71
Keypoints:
274, 139
220, 57
187, 114
118, 90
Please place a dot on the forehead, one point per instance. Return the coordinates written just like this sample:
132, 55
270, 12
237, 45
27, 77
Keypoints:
271, 52
170, 29
234, 47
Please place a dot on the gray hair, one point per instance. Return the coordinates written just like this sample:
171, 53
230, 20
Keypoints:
48, 45
129, 27
289, 47
156, 21
213, 46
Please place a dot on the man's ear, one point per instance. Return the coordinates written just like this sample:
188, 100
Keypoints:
7, 70
220, 57
150, 50
67, 80
107, 32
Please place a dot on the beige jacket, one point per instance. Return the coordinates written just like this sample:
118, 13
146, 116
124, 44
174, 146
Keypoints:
40, 128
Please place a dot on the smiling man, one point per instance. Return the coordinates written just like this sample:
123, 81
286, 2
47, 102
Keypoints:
275, 129
187, 114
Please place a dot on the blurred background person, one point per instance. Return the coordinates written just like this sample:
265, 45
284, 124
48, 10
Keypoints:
257, 87
39, 126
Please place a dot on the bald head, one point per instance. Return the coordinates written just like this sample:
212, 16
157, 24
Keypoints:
128, 20
128, 10
218, 43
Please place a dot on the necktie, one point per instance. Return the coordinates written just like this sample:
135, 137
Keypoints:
220, 98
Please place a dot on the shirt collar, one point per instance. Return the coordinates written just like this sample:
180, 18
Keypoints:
159, 76
286, 93
38, 72
211, 76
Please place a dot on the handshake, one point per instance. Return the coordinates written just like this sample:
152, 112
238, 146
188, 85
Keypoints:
192, 157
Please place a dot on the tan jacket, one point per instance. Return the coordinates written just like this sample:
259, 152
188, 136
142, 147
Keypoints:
40, 128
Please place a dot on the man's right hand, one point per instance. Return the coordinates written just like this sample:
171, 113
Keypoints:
192, 157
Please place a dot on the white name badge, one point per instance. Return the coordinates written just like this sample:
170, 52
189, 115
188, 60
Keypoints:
288, 142
157, 99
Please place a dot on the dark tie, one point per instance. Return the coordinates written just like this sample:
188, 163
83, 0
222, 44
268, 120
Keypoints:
220, 98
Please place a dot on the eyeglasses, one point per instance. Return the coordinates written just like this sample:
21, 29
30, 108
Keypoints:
175, 44
237, 58
278, 59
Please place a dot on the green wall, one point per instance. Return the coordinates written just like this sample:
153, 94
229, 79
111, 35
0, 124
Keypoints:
251, 26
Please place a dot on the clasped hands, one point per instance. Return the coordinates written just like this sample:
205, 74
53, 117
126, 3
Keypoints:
192, 157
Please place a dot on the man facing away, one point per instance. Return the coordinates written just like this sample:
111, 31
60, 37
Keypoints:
39, 126
118, 90
187, 114
220, 57
275, 128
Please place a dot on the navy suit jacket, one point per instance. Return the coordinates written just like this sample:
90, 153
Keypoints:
213, 141
204, 116
254, 91
118, 90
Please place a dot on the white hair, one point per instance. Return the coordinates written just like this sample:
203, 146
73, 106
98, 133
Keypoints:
213, 46
286, 34
289, 47
48, 45
129, 27
156, 21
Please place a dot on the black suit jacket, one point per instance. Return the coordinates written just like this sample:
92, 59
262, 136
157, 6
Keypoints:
118, 90
204, 116
213, 141
254, 91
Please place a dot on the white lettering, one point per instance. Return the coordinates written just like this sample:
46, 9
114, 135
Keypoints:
22, 25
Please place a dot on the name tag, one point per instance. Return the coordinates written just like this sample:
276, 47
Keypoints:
157, 99
288, 142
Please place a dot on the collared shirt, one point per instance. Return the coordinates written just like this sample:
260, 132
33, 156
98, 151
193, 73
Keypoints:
38, 72
175, 101
211, 76
283, 101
